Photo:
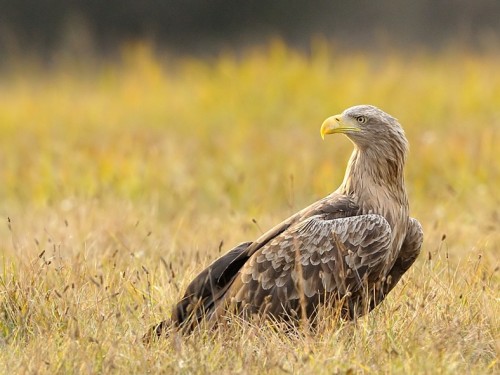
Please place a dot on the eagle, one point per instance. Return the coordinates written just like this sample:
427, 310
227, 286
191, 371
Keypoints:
346, 251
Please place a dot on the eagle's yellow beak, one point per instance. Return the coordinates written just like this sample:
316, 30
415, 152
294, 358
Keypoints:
336, 124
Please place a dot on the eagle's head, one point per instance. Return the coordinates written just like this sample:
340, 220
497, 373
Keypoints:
368, 128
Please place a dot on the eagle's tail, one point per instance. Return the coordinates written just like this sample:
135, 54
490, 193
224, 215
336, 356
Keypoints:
203, 293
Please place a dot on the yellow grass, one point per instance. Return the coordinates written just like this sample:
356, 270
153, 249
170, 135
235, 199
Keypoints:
121, 180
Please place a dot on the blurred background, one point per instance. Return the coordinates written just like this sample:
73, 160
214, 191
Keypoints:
185, 107
201, 26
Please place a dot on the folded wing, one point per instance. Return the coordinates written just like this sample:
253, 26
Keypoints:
315, 258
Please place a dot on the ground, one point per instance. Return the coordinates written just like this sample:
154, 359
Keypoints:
121, 179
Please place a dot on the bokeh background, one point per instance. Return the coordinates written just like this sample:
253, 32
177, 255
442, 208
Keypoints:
141, 139
207, 26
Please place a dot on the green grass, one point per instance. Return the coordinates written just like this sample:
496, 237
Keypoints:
120, 180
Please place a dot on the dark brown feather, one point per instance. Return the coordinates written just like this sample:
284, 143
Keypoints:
335, 255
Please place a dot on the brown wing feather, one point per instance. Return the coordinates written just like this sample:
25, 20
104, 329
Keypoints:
335, 256
407, 255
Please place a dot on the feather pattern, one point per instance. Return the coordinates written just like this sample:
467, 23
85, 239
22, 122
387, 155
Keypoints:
335, 257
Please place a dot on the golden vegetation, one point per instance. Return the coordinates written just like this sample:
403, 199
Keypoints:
121, 180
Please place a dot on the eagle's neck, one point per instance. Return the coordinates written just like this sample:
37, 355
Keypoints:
373, 177
375, 181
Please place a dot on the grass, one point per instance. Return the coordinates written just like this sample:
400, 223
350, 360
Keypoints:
121, 180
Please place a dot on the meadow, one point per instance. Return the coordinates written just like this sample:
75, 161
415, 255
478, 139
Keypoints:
121, 179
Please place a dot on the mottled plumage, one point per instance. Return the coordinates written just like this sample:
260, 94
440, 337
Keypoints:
347, 250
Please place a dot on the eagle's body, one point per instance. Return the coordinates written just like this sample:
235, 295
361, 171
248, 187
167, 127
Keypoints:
347, 250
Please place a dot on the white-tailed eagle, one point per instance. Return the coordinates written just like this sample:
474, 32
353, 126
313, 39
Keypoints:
347, 250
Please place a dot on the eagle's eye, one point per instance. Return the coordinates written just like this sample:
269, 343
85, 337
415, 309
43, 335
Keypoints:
361, 119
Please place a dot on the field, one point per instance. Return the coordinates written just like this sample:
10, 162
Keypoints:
120, 180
